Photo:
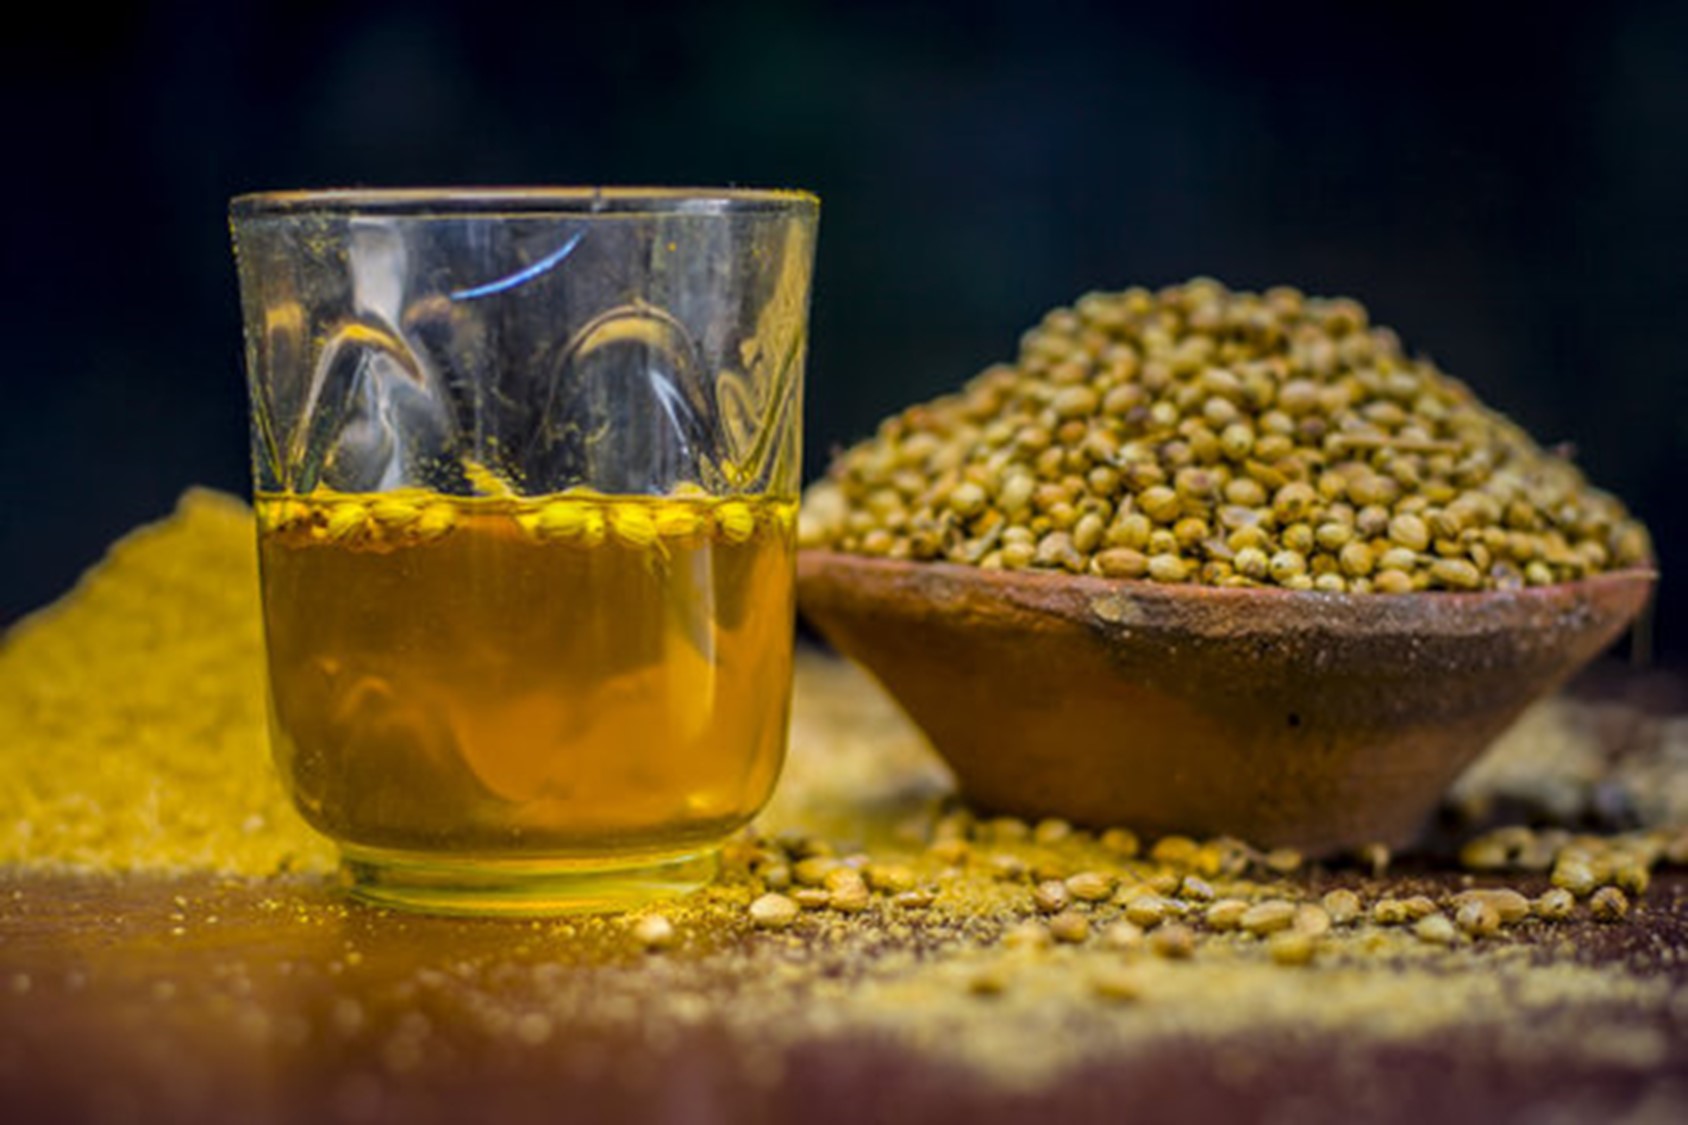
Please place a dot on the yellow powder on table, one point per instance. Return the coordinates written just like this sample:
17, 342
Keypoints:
132, 714
133, 738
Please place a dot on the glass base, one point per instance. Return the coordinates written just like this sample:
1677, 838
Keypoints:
521, 888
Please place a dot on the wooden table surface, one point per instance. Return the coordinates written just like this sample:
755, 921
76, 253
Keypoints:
204, 997
200, 999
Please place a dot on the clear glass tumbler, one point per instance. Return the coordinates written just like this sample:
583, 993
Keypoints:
526, 466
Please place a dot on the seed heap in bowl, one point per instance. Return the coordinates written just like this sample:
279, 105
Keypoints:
1197, 434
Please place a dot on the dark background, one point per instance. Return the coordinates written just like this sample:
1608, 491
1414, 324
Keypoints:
1506, 184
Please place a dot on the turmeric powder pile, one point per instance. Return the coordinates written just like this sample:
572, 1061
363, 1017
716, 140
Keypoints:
132, 723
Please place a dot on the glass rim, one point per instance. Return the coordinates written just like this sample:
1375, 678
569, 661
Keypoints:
581, 202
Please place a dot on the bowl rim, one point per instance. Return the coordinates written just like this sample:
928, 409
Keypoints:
1127, 603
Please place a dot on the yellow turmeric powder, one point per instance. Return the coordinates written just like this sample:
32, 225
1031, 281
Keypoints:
132, 713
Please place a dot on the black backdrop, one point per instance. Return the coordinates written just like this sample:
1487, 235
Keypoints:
1506, 184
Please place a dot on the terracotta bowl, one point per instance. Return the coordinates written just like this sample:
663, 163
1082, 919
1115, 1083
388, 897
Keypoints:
1316, 721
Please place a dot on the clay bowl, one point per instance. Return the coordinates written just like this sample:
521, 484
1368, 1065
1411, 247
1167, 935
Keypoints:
1315, 721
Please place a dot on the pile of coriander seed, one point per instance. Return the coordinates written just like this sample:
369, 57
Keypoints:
1196, 434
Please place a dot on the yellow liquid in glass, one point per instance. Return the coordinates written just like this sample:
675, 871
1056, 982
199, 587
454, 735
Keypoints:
550, 684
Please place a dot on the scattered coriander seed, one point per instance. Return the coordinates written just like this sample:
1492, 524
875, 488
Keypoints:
889, 879
1174, 941
1174, 850
1477, 918
1509, 906
1070, 927
773, 912
1225, 915
850, 900
1196, 889
1008, 829
1314, 921
1051, 896
1608, 904
812, 898
1631, 877
1007, 867
1051, 831
654, 932
1575, 875
951, 852
1390, 912
1343, 906
1048, 870
1165, 883
1555, 905
1267, 917
953, 825
1221, 857
1540, 851
1291, 948
1122, 842
1122, 935
811, 847
843, 879
812, 872
1027, 935
1147, 911
1435, 929
1417, 907
1090, 886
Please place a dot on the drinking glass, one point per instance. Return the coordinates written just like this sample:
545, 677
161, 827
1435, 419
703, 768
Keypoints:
526, 465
